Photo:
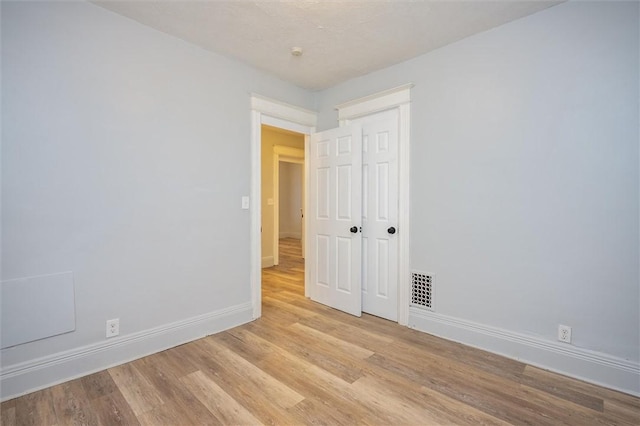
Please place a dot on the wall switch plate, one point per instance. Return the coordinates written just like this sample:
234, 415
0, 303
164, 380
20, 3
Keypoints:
245, 203
113, 327
564, 333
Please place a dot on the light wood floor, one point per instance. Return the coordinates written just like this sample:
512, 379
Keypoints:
303, 363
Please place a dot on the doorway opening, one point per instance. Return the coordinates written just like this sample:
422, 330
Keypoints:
284, 116
289, 212
282, 187
279, 116
282, 211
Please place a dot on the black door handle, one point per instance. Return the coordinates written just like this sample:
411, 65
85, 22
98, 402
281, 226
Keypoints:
391, 230
354, 229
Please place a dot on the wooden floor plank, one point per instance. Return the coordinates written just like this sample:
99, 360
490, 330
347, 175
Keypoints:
98, 384
563, 410
113, 409
323, 411
340, 345
622, 413
312, 352
315, 382
447, 408
226, 409
157, 370
258, 379
141, 395
171, 414
244, 343
236, 379
485, 393
36, 408
8, 413
71, 404
390, 407
306, 363
565, 386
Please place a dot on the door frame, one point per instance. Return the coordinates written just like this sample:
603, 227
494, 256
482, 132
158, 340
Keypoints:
276, 114
396, 98
285, 116
284, 154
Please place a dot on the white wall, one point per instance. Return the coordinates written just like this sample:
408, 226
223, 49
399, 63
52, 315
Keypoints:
125, 153
524, 180
290, 194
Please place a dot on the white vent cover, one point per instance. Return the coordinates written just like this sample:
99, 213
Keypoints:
422, 285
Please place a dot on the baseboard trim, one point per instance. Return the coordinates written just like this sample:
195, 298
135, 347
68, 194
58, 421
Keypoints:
267, 262
594, 367
29, 376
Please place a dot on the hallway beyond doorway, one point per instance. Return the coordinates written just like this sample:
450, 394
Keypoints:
289, 274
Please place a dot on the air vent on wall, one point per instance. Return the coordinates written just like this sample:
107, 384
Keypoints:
422, 290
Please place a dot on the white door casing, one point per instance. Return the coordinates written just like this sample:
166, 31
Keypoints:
284, 116
380, 216
334, 218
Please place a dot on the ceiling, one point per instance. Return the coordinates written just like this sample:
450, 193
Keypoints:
340, 39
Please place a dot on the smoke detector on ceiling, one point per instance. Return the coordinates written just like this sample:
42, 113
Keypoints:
296, 51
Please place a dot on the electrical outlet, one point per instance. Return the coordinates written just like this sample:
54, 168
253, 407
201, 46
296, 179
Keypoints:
113, 327
564, 333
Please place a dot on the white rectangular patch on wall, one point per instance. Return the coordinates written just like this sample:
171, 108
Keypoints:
34, 308
422, 290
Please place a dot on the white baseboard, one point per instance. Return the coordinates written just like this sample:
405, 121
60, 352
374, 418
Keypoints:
32, 375
590, 366
296, 235
267, 262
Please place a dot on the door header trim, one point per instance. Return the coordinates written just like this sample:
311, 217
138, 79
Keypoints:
283, 111
377, 102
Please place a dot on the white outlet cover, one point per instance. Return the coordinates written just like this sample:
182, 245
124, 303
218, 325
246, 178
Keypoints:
564, 333
113, 327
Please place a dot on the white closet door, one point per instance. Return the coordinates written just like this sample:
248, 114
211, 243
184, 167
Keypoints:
334, 243
380, 218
